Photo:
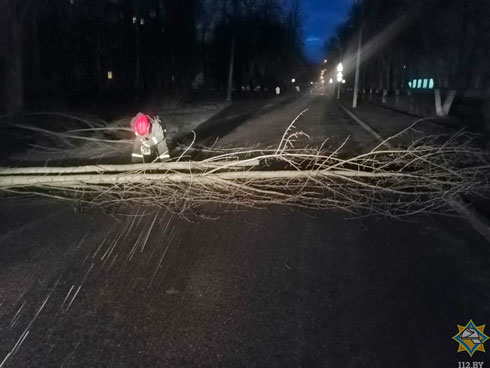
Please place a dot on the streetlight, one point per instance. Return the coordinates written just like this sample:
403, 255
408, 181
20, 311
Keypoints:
293, 80
358, 57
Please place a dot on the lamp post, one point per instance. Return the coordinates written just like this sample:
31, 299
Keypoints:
358, 61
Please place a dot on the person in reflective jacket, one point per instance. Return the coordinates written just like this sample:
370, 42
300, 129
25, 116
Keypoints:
150, 143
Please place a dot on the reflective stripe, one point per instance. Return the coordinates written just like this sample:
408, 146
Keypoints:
136, 155
155, 140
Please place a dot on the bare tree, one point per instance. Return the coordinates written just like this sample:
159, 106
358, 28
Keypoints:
12, 18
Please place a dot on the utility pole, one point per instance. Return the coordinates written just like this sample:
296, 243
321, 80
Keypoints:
358, 61
358, 70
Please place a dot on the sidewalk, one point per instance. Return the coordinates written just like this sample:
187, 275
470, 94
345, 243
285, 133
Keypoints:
388, 122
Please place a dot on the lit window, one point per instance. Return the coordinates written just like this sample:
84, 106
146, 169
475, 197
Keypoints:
142, 21
425, 83
134, 19
431, 83
419, 83
410, 84
109, 75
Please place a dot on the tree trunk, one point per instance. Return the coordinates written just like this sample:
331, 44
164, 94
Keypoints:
14, 83
448, 102
230, 71
437, 96
137, 81
442, 110
98, 66
84, 180
128, 168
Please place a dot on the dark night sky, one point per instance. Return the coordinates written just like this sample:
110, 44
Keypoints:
320, 19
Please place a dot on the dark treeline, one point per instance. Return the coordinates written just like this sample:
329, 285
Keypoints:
101, 50
447, 41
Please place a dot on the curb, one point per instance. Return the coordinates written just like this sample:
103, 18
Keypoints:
479, 223
440, 121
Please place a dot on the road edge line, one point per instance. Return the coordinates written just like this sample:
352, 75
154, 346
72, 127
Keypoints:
365, 126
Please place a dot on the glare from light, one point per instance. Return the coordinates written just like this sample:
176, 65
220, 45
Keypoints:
293, 80
109, 74
343, 81
340, 77
340, 67
330, 81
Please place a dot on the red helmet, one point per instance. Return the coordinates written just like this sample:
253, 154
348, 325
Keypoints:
142, 124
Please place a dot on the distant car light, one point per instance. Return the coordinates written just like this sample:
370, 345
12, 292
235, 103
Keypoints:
142, 125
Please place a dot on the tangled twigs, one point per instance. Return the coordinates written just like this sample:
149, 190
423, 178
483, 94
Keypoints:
423, 177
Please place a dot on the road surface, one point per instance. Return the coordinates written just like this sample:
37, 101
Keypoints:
275, 287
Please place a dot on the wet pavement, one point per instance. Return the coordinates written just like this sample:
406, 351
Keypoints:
273, 287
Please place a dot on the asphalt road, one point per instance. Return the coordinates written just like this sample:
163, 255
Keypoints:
273, 287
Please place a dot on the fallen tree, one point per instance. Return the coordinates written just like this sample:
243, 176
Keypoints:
424, 177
